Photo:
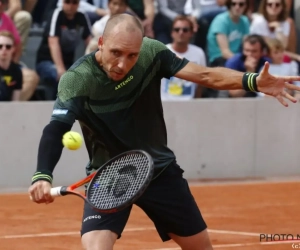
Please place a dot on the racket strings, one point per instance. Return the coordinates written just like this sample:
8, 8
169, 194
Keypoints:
119, 182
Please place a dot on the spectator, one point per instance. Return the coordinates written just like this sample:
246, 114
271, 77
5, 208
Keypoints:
226, 32
209, 9
30, 78
175, 88
145, 10
115, 7
60, 39
251, 59
21, 17
10, 72
168, 10
278, 65
272, 22
94, 11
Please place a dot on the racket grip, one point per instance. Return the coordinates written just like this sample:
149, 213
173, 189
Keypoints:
56, 191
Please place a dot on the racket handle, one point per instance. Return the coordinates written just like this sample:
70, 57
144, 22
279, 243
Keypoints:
56, 191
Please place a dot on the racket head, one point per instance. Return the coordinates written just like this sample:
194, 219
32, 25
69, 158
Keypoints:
120, 181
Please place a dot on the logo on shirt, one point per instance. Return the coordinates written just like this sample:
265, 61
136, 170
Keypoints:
60, 112
124, 83
8, 81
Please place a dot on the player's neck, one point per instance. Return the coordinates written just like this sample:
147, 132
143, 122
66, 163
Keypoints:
180, 48
4, 64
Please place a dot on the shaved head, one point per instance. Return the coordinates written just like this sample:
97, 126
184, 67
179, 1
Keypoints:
122, 22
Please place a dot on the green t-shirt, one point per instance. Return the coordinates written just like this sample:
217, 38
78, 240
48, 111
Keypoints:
119, 116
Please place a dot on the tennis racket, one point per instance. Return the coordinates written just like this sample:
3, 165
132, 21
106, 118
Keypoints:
115, 185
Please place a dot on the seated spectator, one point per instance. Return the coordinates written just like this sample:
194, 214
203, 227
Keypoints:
94, 11
145, 10
61, 36
175, 88
292, 41
272, 22
252, 59
115, 7
278, 65
10, 72
209, 9
168, 10
30, 78
226, 32
21, 17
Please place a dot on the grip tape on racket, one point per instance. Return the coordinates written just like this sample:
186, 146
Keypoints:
56, 191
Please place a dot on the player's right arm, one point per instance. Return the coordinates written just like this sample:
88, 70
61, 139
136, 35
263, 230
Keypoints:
50, 147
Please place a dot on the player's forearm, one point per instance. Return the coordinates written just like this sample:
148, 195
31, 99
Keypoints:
221, 78
216, 78
50, 150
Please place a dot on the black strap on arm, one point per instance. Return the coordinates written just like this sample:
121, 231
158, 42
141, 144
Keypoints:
50, 150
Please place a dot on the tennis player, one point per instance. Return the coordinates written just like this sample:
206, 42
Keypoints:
114, 93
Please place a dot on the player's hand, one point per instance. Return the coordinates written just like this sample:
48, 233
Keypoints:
39, 192
276, 85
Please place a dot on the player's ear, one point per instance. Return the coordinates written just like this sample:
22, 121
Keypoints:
100, 41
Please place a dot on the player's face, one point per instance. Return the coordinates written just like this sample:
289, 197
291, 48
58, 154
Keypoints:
119, 53
6, 48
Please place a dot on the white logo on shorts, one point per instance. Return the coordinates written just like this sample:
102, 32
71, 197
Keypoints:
92, 217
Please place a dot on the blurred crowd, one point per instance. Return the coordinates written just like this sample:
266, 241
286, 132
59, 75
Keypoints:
237, 34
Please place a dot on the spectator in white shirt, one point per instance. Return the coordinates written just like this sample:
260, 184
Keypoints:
174, 88
94, 11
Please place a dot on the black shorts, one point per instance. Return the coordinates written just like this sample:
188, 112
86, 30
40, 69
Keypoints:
168, 202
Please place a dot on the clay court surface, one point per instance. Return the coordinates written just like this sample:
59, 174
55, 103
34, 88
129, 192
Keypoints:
236, 213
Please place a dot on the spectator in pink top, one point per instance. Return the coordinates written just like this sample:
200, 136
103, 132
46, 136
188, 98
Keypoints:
7, 24
30, 77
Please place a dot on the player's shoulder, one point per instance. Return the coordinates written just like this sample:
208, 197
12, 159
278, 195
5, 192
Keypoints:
152, 46
75, 81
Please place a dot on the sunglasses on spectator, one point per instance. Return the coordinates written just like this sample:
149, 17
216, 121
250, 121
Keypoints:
274, 4
71, 1
6, 46
185, 30
241, 4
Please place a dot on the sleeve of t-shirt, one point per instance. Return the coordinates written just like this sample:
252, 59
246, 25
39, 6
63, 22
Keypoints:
170, 63
87, 29
232, 63
246, 26
66, 107
219, 26
19, 78
286, 28
54, 23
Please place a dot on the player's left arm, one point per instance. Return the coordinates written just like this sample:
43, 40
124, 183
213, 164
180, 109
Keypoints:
227, 79
216, 78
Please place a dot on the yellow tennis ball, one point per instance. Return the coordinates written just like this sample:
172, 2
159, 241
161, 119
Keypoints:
72, 140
